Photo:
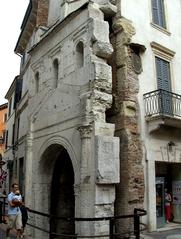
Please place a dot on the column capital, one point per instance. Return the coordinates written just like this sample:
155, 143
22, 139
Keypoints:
85, 131
124, 25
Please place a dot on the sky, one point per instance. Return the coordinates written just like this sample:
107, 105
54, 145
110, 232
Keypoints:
11, 16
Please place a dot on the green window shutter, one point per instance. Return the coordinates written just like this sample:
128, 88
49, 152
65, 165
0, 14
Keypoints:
158, 12
155, 11
161, 13
164, 84
159, 73
163, 74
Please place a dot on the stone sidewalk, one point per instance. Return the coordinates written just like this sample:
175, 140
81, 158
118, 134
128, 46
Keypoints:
170, 231
13, 232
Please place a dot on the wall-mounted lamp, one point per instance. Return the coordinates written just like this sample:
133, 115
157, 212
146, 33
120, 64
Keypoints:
170, 146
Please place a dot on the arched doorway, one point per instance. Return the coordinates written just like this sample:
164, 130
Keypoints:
62, 200
56, 176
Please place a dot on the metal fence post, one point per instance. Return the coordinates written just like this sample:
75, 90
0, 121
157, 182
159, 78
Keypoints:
136, 225
50, 233
1, 211
111, 229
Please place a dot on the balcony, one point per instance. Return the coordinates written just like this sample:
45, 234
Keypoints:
162, 108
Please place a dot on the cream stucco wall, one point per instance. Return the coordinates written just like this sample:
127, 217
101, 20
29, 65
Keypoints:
155, 145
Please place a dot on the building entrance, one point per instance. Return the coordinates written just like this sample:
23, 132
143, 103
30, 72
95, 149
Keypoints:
62, 195
168, 177
57, 177
160, 213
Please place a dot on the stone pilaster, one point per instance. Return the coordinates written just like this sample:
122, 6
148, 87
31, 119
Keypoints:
85, 191
99, 148
29, 167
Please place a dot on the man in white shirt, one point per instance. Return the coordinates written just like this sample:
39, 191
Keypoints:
14, 213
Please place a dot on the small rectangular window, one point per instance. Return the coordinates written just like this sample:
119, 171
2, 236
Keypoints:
9, 107
158, 13
6, 142
4, 136
5, 118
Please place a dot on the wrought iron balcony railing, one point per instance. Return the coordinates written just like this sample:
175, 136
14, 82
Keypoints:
162, 103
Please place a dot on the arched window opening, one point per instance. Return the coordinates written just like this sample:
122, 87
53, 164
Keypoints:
80, 54
55, 73
37, 82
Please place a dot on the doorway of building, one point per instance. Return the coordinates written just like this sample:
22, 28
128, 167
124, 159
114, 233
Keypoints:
62, 195
168, 175
160, 214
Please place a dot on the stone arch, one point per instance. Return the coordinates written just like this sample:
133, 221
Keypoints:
56, 172
61, 141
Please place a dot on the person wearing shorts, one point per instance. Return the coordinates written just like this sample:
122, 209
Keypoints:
14, 213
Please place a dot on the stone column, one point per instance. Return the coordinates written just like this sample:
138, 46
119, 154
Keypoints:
125, 115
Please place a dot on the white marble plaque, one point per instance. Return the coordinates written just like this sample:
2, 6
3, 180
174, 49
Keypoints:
107, 159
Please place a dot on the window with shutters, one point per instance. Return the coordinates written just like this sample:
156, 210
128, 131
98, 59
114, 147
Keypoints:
163, 74
9, 107
158, 13
6, 142
164, 86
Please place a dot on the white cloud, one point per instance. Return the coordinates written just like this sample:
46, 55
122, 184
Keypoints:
11, 16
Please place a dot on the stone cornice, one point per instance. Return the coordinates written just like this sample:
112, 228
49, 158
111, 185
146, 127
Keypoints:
162, 50
36, 15
27, 27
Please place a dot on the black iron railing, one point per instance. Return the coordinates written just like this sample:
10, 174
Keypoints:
162, 103
133, 232
2, 209
112, 221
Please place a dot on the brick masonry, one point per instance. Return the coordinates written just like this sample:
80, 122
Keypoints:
125, 115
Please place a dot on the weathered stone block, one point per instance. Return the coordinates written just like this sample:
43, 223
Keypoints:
105, 129
102, 85
121, 77
102, 71
100, 31
108, 9
129, 108
107, 159
125, 25
121, 56
95, 12
102, 49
